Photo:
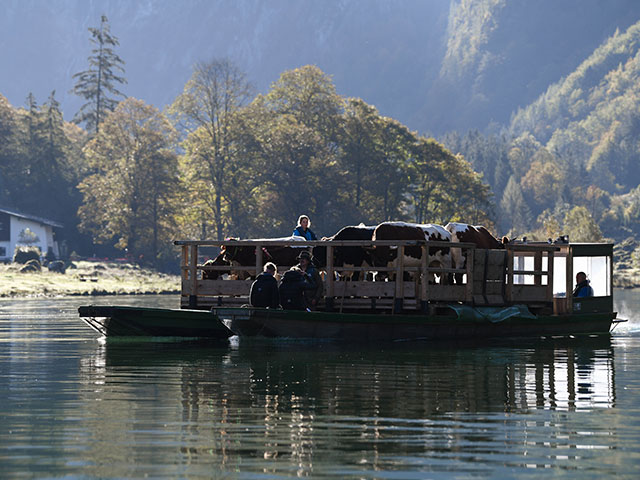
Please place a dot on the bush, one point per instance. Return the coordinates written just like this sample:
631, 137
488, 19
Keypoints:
31, 266
24, 254
57, 266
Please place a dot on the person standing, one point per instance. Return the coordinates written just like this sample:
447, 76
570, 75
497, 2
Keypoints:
303, 230
264, 290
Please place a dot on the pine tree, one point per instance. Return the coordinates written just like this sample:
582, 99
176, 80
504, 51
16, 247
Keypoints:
100, 80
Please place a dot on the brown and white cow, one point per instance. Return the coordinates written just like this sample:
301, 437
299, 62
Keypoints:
476, 234
384, 256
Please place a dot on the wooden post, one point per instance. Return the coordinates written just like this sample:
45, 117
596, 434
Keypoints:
185, 263
509, 275
399, 295
424, 283
469, 266
569, 279
550, 276
537, 266
193, 276
330, 276
258, 260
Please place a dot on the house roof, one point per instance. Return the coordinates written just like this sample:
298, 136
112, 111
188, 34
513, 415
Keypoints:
33, 218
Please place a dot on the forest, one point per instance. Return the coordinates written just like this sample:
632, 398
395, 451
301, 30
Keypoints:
222, 160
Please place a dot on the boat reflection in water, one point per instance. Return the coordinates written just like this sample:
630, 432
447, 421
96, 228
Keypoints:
302, 408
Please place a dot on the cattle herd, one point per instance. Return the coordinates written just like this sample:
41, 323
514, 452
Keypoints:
378, 256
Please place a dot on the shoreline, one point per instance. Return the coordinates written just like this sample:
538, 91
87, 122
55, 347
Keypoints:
86, 278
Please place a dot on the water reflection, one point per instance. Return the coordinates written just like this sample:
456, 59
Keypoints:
76, 407
291, 404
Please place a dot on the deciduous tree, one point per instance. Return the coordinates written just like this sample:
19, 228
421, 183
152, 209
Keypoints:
130, 197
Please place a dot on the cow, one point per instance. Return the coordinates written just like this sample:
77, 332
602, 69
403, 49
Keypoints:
245, 255
465, 233
219, 261
351, 256
384, 256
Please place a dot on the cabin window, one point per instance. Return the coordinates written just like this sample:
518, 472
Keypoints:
3, 252
597, 270
526, 263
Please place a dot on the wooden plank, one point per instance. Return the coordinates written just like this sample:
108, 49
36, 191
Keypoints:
185, 263
223, 287
259, 263
424, 281
193, 272
469, 287
529, 293
329, 282
550, 274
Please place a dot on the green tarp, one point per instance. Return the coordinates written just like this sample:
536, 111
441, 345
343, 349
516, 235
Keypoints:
491, 314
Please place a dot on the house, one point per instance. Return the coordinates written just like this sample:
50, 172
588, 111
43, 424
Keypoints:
20, 229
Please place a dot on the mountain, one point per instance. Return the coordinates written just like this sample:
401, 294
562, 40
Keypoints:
435, 65
502, 55
592, 115
385, 52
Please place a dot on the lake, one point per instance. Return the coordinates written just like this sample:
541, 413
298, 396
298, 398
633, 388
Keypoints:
75, 406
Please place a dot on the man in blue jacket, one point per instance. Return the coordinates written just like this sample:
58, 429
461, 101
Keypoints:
583, 289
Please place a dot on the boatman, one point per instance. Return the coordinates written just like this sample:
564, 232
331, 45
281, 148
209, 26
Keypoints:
264, 290
583, 289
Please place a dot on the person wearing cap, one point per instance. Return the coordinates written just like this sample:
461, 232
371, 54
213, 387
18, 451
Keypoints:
303, 230
313, 293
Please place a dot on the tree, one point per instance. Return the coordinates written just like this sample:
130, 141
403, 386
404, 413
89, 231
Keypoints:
516, 216
580, 226
131, 196
100, 80
207, 110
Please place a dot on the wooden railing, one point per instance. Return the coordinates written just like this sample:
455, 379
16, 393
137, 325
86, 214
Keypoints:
488, 283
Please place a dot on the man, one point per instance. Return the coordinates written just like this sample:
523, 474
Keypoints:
264, 290
583, 289
314, 292
292, 288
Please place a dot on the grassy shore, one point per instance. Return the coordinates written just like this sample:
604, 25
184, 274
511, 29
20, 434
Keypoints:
86, 278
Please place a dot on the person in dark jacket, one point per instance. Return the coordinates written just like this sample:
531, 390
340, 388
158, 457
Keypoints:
264, 290
314, 293
292, 287
303, 230
583, 289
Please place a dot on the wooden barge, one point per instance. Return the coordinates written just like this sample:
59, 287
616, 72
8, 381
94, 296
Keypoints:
521, 290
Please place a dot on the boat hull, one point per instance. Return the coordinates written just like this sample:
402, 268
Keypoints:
363, 327
119, 321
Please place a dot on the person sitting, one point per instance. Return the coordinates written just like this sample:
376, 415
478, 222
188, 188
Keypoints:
314, 292
583, 289
292, 287
303, 230
264, 290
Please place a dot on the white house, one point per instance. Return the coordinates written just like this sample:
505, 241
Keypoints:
14, 230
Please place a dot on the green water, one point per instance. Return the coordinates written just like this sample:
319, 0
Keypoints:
75, 406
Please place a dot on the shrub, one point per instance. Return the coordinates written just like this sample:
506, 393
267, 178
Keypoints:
24, 254
31, 266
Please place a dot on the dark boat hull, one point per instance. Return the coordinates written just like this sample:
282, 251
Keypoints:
363, 327
118, 321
